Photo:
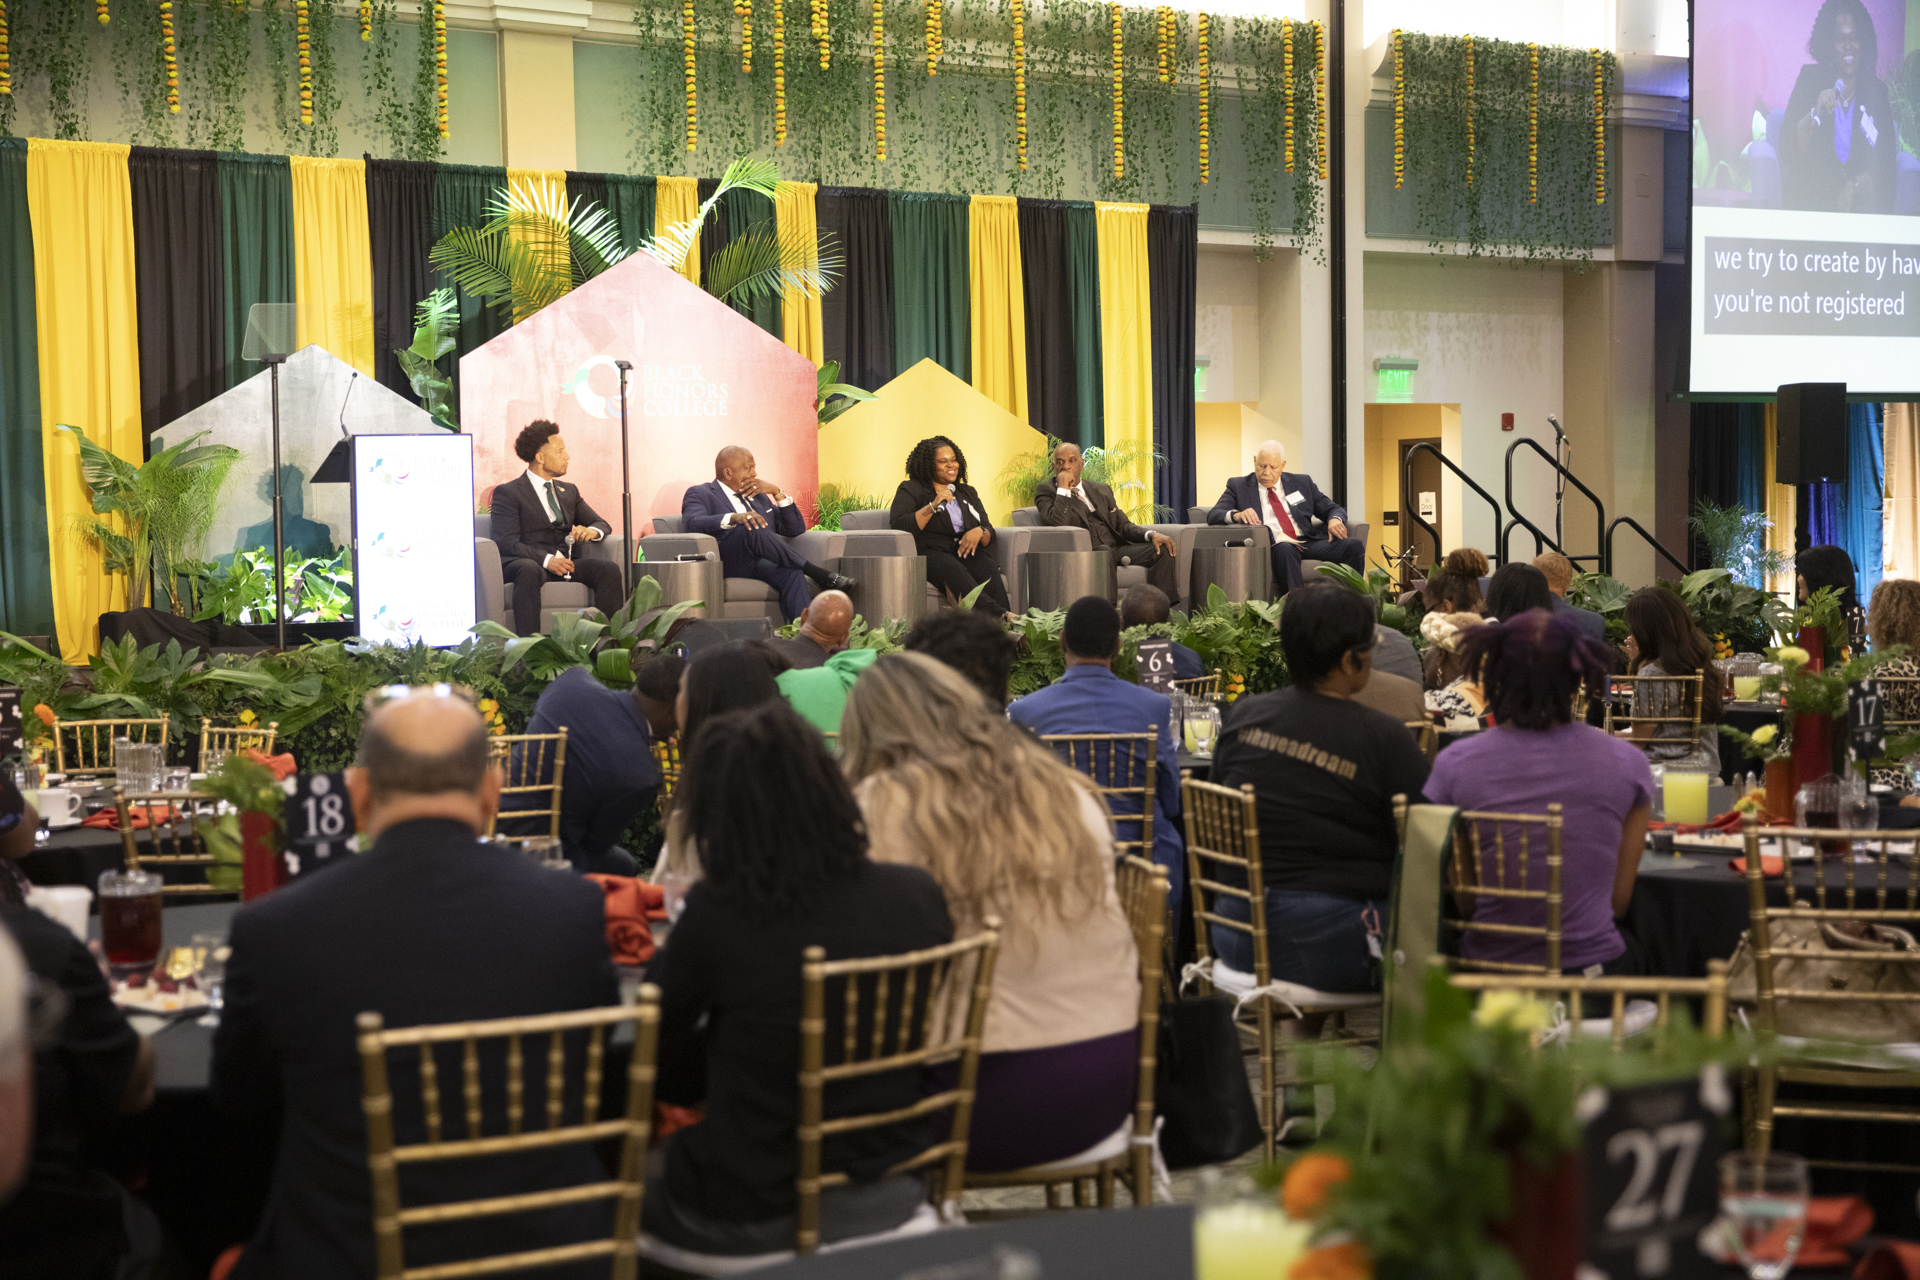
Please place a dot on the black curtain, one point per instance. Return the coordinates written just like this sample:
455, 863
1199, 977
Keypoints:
1053, 404
179, 281
713, 232
400, 233
744, 211
857, 314
1725, 447
1173, 253
587, 186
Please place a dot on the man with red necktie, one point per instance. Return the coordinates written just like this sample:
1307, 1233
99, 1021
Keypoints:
1305, 523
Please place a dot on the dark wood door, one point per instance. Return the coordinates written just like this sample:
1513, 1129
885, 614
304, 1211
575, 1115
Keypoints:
1424, 481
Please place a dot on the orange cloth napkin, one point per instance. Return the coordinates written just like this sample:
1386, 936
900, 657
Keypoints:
282, 765
1771, 864
109, 819
629, 899
1891, 1260
1833, 1223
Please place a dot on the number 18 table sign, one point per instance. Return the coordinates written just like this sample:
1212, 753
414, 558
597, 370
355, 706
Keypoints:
319, 822
1651, 1177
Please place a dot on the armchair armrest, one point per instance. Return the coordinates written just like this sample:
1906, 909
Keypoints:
821, 546
489, 583
665, 546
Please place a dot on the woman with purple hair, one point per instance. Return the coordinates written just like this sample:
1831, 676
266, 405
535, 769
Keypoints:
1530, 669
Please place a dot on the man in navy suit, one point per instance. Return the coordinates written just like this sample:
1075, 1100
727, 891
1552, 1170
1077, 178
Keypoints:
536, 517
1089, 698
1306, 524
752, 519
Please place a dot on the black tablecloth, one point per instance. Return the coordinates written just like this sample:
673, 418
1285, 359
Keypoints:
75, 856
1151, 1244
1746, 717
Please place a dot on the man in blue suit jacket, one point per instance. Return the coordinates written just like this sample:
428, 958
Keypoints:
1089, 698
752, 519
1306, 524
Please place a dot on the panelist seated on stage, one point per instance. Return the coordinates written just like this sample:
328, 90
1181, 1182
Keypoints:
532, 519
949, 525
752, 518
1306, 524
1068, 498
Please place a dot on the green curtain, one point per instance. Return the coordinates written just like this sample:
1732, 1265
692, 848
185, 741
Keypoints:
26, 585
930, 307
460, 196
1083, 282
256, 238
630, 200
746, 210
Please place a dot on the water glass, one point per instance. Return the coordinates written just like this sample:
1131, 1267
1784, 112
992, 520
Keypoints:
176, 779
545, 850
1764, 1199
1862, 812
137, 766
130, 920
210, 954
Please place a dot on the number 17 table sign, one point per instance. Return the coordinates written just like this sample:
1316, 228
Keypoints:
1651, 1177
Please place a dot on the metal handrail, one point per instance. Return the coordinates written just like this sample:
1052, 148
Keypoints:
1651, 541
1406, 487
1540, 539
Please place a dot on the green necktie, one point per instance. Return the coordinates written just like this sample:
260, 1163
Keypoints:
553, 501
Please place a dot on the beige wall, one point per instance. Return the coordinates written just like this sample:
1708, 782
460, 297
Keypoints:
1386, 425
536, 99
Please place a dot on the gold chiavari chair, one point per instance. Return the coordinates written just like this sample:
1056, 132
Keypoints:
1201, 686
172, 835
535, 764
1847, 978
1223, 863
666, 757
86, 746
1123, 768
1142, 887
217, 742
1711, 991
386, 1155
1658, 701
1493, 859
1426, 735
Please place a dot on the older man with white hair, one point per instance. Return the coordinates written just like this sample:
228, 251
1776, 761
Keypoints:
1306, 524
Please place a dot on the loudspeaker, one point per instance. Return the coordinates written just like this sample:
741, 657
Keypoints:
1810, 433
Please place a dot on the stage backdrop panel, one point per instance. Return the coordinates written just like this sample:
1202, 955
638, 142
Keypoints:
315, 388
864, 450
704, 376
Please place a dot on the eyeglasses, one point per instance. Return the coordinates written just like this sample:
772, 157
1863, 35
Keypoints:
394, 692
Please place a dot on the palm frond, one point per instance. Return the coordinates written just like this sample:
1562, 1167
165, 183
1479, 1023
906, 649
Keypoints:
474, 258
679, 240
101, 469
760, 263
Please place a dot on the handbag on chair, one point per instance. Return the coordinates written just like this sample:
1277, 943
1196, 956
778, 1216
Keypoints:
1200, 1088
1866, 1021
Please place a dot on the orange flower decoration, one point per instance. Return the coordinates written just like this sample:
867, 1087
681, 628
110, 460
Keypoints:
45, 713
1303, 1192
1348, 1261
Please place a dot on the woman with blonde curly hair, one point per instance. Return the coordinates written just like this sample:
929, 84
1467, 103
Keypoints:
948, 784
1454, 699
1894, 619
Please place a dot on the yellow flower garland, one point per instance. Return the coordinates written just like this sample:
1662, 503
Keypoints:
1286, 78
936, 42
880, 79
1019, 80
1119, 102
1163, 23
440, 67
1599, 128
1320, 98
743, 10
820, 33
1206, 101
1469, 113
366, 20
6, 75
171, 52
1533, 124
100, 12
779, 73
306, 62
1399, 113
689, 69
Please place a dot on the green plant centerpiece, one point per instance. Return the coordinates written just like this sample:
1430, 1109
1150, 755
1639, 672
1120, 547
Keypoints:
1735, 539
1376, 584
436, 331
1736, 617
246, 786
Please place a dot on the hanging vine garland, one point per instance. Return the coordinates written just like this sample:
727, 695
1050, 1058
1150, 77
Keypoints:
1469, 113
1399, 113
1286, 78
170, 50
304, 46
1019, 81
687, 58
1163, 28
440, 68
880, 79
366, 20
936, 43
1599, 127
1206, 102
821, 34
1320, 100
779, 73
1119, 95
6, 74
100, 12
743, 10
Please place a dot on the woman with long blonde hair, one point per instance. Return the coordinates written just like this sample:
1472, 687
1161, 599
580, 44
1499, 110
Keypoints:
948, 784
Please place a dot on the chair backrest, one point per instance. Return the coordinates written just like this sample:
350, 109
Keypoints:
217, 742
1122, 766
1142, 887
875, 519
895, 1013
1901, 695
173, 836
1711, 991
1657, 700
1223, 861
1207, 686
385, 1155
535, 764
669, 524
1026, 517
1494, 860
1427, 735
86, 746
666, 757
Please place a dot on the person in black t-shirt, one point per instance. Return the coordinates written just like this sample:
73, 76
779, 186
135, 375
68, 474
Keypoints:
1324, 771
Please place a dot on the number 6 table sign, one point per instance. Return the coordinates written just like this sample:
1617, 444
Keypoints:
1651, 1174
319, 821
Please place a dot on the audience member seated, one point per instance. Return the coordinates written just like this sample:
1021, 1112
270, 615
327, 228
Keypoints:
1515, 589
1089, 698
1396, 656
1536, 754
819, 694
1393, 695
824, 625
16, 1069
1145, 605
976, 646
1454, 587
1559, 572
785, 853
534, 516
1324, 771
1306, 524
752, 519
949, 525
69, 1218
1008, 830
656, 687
1894, 619
1068, 498
19, 821
428, 926
1664, 640
1454, 698
1818, 567
729, 677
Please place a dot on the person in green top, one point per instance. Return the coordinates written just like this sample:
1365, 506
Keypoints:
820, 693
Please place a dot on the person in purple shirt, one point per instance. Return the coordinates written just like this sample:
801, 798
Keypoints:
1530, 667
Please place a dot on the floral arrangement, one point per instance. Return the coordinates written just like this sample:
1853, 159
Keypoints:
100, 12
821, 34
1020, 84
1164, 30
304, 31
248, 787
934, 41
779, 73
366, 20
1399, 112
1533, 123
440, 68
743, 10
1119, 91
689, 69
170, 53
489, 709
1206, 104
880, 80
1764, 744
1286, 78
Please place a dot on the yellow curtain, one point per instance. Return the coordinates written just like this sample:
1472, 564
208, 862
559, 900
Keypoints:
333, 259
1126, 343
80, 202
677, 200
800, 324
997, 299
1781, 511
1900, 532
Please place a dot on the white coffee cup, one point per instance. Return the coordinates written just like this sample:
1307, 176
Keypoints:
59, 806
67, 903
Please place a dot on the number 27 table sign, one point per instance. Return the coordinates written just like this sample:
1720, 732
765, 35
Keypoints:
1651, 1176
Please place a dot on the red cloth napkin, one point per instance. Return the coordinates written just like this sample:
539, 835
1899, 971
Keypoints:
1833, 1223
109, 819
282, 764
629, 902
1891, 1260
1771, 864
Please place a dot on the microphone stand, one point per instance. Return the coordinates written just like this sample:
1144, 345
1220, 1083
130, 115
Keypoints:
626, 486
273, 363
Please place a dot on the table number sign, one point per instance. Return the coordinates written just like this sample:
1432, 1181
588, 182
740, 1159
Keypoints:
1153, 661
1651, 1176
11, 721
319, 821
1866, 720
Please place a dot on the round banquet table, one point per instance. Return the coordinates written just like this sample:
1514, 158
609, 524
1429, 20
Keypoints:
76, 855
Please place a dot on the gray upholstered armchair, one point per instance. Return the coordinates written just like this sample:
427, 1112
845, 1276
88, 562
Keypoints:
746, 597
493, 594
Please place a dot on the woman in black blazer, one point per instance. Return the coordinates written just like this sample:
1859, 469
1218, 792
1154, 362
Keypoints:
959, 550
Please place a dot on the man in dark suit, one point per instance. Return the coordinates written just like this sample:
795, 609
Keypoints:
427, 926
1069, 499
752, 519
1147, 606
1558, 571
534, 516
824, 626
1306, 524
